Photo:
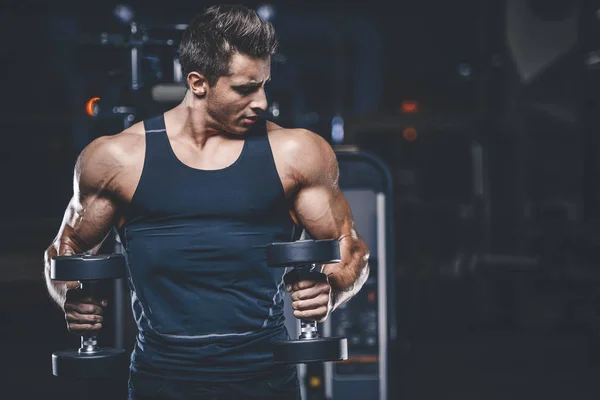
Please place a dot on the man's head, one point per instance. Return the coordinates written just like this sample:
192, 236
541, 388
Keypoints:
213, 37
225, 54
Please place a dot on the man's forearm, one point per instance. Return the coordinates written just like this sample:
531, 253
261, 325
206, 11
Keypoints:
342, 295
56, 289
349, 276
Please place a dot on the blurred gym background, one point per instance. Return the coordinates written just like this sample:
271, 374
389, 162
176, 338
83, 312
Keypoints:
483, 111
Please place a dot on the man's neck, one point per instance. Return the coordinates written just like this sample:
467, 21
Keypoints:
190, 119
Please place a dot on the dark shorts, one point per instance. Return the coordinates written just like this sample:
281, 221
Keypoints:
280, 385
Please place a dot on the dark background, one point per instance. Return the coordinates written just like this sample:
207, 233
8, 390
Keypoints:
496, 201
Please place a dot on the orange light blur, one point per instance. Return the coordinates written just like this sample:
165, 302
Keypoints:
409, 107
360, 359
314, 382
371, 296
409, 134
89, 106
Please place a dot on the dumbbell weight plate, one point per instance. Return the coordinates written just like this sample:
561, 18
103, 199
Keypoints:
104, 363
311, 350
87, 267
303, 252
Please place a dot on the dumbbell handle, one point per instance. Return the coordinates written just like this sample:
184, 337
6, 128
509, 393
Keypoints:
89, 288
310, 272
89, 342
308, 329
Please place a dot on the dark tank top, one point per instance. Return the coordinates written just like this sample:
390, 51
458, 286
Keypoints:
207, 306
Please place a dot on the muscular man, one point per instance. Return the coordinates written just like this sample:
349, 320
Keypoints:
196, 195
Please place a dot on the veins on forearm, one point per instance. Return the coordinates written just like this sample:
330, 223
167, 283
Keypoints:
345, 276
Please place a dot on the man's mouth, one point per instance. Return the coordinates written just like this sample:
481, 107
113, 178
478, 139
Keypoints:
250, 119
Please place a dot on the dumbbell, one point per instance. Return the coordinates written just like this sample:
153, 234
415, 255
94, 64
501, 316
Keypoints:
306, 257
90, 360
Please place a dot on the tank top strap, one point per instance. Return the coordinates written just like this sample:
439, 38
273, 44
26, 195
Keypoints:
155, 124
258, 149
157, 141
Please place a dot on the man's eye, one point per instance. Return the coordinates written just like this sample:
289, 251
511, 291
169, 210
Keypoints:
244, 90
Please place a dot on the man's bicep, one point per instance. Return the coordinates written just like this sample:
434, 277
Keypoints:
319, 204
93, 209
324, 212
86, 223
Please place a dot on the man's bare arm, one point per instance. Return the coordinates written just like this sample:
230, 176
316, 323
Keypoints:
322, 209
90, 214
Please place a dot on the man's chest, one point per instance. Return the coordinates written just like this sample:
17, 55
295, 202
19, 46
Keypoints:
126, 182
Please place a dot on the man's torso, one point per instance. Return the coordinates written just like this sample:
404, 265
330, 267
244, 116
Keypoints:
194, 229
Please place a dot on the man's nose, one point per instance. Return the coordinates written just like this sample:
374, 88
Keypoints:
259, 102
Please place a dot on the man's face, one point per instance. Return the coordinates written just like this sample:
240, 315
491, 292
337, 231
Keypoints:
234, 102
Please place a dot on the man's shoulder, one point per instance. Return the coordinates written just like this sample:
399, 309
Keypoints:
295, 139
117, 149
103, 161
306, 154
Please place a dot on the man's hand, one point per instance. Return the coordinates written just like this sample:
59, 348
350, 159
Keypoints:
311, 300
83, 314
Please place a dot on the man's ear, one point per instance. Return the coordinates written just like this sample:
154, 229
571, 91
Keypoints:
197, 83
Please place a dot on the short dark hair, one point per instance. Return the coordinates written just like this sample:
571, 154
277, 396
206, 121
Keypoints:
214, 36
